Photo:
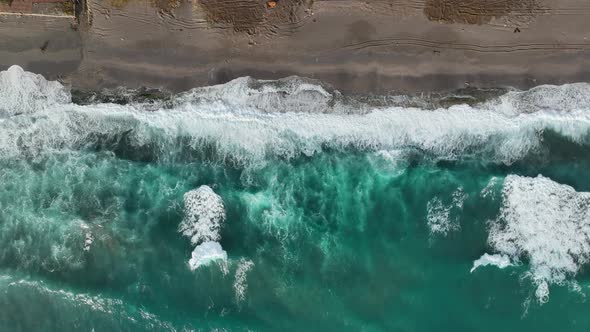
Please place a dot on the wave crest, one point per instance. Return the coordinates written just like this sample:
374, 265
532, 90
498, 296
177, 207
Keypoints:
247, 121
23, 92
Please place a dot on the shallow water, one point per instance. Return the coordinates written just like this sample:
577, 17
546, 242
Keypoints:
278, 206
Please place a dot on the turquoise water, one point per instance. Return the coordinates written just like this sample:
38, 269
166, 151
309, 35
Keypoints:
325, 220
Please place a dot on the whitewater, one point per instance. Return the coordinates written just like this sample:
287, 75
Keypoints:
263, 205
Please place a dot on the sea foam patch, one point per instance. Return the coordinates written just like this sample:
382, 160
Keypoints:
554, 98
442, 218
290, 94
240, 282
546, 224
204, 214
500, 261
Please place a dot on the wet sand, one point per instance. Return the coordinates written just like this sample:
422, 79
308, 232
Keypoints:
402, 46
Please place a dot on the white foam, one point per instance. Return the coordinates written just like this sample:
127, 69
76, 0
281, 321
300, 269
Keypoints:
546, 223
395, 160
439, 219
240, 283
500, 261
250, 131
459, 197
24, 92
291, 94
203, 215
248, 135
206, 253
89, 239
488, 190
553, 98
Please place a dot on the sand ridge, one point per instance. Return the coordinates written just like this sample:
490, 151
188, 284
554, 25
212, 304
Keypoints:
479, 11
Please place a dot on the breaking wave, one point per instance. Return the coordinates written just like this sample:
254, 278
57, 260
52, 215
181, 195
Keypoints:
246, 122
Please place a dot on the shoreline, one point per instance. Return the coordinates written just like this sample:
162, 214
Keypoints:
376, 47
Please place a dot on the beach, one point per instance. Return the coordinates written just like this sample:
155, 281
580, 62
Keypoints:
400, 46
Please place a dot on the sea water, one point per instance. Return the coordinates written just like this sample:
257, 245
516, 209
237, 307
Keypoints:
281, 205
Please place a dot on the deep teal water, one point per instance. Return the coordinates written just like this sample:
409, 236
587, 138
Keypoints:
346, 233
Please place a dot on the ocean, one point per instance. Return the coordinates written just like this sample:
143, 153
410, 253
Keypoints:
285, 205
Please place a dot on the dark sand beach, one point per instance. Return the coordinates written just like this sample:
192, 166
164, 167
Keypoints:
356, 46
